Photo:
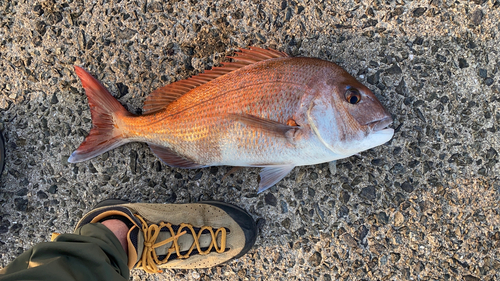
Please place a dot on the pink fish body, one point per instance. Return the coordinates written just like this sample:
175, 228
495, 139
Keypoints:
265, 109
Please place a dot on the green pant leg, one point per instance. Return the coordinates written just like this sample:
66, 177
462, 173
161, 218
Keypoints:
92, 253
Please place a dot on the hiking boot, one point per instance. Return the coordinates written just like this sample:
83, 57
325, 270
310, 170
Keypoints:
179, 236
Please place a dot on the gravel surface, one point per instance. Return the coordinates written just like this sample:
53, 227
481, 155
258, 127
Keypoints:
424, 206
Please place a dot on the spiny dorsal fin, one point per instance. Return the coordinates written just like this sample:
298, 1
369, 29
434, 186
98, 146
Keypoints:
161, 97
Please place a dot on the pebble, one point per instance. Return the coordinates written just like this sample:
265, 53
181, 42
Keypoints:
52, 189
284, 207
489, 81
311, 192
462, 63
286, 223
122, 90
54, 99
477, 17
271, 200
22, 192
197, 176
214, 170
491, 153
419, 12
260, 223
394, 69
471, 278
374, 78
288, 14
344, 197
349, 240
382, 218
315, 259
496, 236
343, 211
441, 58
483, 73
156, 7
195, 275
4, 226
406, 186
368, 193
133, 161
15, 228
21, 204
298, 193
398, 219
4, 103
42, 195
395, 257
418, 41
361, 233
398, 169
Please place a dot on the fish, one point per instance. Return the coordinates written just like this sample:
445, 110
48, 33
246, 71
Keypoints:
262, 109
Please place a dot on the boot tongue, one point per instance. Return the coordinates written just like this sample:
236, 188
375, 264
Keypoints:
185, 242
136, 243
135, 239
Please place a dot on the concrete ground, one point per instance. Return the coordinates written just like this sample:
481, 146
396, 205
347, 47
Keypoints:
424, 206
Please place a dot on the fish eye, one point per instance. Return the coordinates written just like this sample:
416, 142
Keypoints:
352, 96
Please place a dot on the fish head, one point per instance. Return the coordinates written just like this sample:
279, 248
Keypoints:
347, 117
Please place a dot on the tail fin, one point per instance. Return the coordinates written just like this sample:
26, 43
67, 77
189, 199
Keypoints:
105, 110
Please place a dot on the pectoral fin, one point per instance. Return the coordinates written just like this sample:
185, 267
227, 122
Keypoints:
173, 159
270, 175
270, 126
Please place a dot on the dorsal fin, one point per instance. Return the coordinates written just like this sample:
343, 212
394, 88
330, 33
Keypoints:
161, 97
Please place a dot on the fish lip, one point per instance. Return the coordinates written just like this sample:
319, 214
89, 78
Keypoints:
381, 124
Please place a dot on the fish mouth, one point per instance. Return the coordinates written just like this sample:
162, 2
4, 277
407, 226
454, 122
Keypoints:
381, 124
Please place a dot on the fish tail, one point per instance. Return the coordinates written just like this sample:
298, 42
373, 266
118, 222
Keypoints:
105, 110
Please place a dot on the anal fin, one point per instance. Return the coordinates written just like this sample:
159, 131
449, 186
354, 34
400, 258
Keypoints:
270, 175
332, 166
171, 158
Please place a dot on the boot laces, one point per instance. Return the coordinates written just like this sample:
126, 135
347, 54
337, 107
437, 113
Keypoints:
149, 259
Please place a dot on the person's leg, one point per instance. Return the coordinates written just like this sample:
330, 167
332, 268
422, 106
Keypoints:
92, 253
120, 230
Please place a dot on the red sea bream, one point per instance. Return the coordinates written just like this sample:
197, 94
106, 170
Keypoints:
263, 109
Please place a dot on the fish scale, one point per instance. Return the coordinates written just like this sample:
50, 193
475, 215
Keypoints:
265, 109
